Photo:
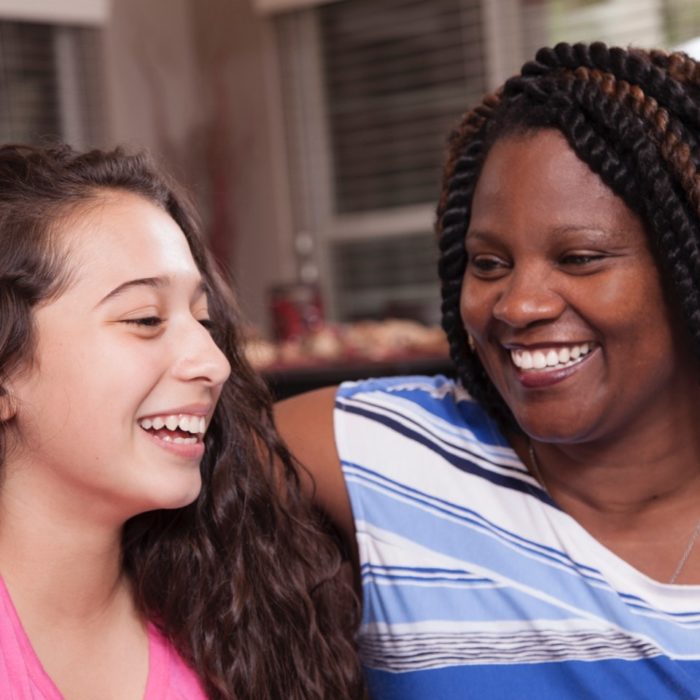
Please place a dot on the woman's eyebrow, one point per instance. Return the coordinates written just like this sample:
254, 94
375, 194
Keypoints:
617, 234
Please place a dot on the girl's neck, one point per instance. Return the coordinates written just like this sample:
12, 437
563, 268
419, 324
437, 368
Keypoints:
56, 564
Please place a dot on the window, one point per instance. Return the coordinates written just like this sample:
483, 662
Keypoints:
49, 83
683, 17
370, 90
396, 74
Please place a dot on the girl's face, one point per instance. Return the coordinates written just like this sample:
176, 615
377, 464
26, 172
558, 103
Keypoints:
110, 413
563, 299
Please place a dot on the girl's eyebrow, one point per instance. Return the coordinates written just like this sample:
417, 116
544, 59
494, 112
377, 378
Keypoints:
154, 282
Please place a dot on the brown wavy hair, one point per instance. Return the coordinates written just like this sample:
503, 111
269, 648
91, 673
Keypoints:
633, 116
245, 581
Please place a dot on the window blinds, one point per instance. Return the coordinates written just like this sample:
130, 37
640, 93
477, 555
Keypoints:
49, 84
397, 73
389, 79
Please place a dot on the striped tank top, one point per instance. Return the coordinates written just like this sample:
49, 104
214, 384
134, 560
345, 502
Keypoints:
475, 585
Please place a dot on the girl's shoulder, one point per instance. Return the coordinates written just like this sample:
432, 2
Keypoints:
169, 677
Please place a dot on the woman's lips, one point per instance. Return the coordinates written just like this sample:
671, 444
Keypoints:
547, 365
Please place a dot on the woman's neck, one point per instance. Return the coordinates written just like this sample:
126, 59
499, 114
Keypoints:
651, 460
622, 479
640, 498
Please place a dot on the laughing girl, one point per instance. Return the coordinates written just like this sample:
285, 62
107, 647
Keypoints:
144, 552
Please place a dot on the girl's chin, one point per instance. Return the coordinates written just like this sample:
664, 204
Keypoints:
167, 501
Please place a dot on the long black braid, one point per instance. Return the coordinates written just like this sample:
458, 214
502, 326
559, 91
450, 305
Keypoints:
634, 117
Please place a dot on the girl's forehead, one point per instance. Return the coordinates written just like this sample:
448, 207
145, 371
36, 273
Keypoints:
123, 235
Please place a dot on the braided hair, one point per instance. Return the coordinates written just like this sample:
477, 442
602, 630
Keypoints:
633, 116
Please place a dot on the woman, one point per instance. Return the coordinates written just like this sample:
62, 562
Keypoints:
143, 551
530, 531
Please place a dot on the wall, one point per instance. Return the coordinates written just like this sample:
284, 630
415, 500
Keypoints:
152, 90
248, 200
191, 80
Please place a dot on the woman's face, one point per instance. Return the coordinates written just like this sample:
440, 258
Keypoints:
110, 412
563, 299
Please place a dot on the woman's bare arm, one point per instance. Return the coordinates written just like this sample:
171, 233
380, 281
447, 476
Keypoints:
305, 423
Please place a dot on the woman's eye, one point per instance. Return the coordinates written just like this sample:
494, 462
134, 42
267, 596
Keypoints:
146, 321
486, 264
207, 323
581, 258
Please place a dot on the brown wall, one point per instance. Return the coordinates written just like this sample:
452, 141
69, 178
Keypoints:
192, 81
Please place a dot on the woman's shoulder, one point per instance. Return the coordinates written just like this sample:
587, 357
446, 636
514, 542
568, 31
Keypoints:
437, 386
435, 400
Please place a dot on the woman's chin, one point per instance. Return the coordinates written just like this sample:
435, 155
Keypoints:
555, 429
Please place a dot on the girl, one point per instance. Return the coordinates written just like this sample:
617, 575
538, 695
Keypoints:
144, 552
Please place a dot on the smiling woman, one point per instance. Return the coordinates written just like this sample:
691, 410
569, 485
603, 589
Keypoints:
530, 530
154, 541
562, 298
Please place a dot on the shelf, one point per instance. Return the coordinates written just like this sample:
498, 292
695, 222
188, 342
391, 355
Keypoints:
296, 379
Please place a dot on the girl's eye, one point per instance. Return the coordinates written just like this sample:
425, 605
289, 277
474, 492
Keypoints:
147, 321
207, 323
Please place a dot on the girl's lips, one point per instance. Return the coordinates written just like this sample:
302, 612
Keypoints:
194, 451
545, 377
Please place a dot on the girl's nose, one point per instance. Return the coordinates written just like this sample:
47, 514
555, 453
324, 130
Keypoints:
200, 358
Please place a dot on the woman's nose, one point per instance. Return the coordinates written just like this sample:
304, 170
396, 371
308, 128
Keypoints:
200, 358
528, 297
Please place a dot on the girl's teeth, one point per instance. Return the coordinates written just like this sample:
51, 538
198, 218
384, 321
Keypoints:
179, 440
544, 359
185, 441
195, 425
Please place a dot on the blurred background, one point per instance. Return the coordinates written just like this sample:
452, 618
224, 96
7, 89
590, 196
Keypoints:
310, 133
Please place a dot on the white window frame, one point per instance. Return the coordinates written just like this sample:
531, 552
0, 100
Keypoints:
56, 11
266, 7
308, 138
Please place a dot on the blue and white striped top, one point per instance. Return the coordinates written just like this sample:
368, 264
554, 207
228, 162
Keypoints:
475, 584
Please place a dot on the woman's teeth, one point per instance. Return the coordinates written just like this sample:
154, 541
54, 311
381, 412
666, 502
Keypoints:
550, 359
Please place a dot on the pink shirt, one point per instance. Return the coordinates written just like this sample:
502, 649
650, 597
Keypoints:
22, 676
